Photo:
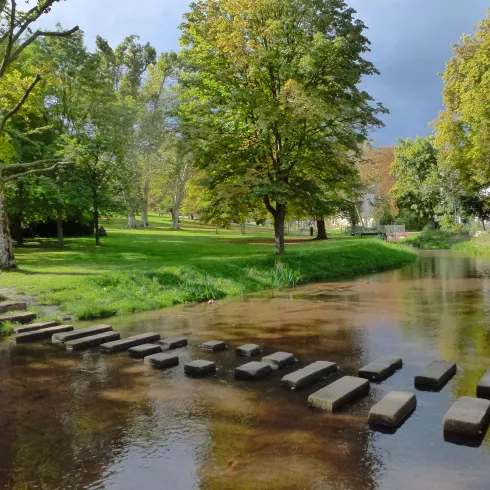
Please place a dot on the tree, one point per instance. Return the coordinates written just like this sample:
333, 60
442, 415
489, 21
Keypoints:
463, 127
15, 36
271, 94
477, 205
414, 169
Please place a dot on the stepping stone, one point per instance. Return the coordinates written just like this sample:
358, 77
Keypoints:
279, 359
309, 374
380, 369
435, 375
144, 350
18, 318
125, 344
173, 342
59, 338
253, 370
12, 306
162, 360
468, 416
199, 368
214, 345
92, 341
36, 326
45, 333
393, 409
340, 392
483, 387
248, 350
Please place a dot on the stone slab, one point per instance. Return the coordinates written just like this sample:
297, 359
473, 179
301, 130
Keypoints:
173, 342
162, 360
468, 416
393, 409
248, 350
309, 374
214, 345
6, 306
35, 326
483, 387
144, 350
340, 392
199, 368
92, 341
381, 368
18, 318
45, 333
436, 374
78, 333
279, 359
253, 370
127, 343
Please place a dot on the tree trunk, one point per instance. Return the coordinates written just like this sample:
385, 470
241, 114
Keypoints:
322, 229
483, 223
59, 226
131, 219
96, 224
7, 260
175, 219
144, 218
17, 229
279, 217
242, 228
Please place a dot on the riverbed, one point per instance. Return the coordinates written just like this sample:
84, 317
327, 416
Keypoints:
92, 421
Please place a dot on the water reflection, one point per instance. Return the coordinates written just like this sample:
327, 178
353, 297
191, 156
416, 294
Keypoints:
87, 421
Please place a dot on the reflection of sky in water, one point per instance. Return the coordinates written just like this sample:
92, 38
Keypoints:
118, 424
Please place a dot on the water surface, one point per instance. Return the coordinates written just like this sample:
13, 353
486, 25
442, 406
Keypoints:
92, 421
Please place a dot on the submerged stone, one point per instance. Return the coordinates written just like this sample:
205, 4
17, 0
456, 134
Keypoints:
279, 359
435, 375
483, 387
144, 350
253, 370
12, 306
173, 342
340, 392
393, 409
44, 333
468, 416
162, 360
35, 326
309, 374
248, 350
79, 333
200, 368
125, 344
18, 318
214, 345
380, 369
91, 341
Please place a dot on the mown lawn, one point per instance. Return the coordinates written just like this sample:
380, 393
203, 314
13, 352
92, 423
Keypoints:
138, 270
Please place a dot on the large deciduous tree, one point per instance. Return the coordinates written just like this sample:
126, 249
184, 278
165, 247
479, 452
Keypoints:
16, 34
272, 94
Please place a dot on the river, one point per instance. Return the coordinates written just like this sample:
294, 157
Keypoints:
92, 421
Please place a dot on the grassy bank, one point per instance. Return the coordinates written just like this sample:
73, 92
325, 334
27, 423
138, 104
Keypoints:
437, 240
475, 246
138, 270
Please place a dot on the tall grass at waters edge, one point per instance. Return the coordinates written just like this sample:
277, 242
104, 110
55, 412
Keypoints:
138, 270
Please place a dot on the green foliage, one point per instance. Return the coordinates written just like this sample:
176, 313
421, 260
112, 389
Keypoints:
7, 328
437, 239
137, 270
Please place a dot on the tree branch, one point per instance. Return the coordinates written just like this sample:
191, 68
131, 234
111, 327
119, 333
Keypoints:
21, 102
37, 34
268, 205
36, 171
31, 164
10, 42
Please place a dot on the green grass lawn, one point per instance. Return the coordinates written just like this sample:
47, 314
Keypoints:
145, 269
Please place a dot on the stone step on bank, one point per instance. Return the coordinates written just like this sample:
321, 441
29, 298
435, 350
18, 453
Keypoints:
468, 417
35, 326
127, 343
61, 338
6, 306
308, 375
22, 318
41, 334
91, 341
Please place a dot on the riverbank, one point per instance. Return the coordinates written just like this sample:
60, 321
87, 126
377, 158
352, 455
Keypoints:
146, 269
437, 240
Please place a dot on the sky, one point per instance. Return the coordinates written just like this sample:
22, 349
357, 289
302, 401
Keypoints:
411, 42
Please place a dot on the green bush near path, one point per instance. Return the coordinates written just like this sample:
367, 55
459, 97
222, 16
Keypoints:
144, 269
